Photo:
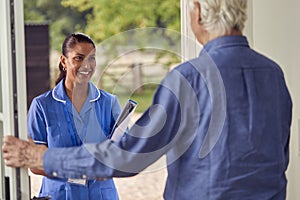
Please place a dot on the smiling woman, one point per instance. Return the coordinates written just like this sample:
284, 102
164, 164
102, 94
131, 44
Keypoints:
68, 116
78, 64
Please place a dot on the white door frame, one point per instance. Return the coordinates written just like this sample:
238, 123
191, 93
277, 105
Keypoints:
13, 75
190, 48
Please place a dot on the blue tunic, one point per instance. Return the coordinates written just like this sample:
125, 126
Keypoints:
53, 121
223, 120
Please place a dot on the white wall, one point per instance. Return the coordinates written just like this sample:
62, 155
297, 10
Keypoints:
276, 33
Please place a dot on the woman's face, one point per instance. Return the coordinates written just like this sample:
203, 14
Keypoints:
79, 63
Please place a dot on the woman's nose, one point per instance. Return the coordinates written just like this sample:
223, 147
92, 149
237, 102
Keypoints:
85, 65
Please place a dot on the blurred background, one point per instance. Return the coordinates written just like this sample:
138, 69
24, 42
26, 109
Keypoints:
134, 74
49, 22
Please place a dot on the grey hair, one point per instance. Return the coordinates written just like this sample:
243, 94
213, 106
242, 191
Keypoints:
221, 16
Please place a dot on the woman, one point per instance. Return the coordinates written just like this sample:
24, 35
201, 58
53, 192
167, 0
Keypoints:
73, 113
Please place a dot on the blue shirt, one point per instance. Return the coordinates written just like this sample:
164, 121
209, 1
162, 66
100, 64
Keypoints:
53, 121
223, 120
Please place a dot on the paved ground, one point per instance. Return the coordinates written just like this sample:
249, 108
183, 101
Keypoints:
146, 186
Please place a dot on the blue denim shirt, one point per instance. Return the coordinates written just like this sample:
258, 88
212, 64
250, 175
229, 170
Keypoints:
223, 120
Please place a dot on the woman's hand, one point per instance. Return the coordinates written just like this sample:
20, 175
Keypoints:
20, 153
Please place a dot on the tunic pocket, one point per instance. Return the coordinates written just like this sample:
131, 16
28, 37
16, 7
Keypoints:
104, 190
108, 194
53, 188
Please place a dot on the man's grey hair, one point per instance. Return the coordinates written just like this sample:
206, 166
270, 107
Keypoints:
221, 16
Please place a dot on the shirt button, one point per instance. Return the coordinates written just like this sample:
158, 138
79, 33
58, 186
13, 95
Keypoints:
54, 174
84, 176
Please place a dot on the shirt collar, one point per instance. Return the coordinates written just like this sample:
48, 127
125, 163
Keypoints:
59, 94
236, 40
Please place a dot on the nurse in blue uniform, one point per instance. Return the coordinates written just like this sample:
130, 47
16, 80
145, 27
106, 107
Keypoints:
73, 113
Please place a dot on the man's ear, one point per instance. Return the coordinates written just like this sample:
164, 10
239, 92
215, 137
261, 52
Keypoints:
197, 8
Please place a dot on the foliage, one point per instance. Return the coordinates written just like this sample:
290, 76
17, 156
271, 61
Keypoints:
110, 17
62, 20
101, 19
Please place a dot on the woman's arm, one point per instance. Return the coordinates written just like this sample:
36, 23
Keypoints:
38, 171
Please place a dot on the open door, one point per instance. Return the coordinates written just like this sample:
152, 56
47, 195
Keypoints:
14, 183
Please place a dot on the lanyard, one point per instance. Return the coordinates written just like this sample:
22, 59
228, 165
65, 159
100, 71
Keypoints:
71, 130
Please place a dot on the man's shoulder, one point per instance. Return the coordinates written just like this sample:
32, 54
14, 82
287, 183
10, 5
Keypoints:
186, 67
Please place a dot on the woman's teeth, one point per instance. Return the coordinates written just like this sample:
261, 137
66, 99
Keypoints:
84, 73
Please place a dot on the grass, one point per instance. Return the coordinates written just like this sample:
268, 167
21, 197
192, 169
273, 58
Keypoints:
143, 99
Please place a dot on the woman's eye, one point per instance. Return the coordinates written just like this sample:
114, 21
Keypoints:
92, 58
78, 58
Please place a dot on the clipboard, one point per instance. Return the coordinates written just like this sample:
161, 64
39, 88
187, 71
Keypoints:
123, 120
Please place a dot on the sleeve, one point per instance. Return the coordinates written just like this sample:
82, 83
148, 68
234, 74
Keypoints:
36, 123
286, 119
157, 132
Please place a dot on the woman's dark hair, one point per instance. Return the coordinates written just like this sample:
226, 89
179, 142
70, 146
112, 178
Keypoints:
69, 43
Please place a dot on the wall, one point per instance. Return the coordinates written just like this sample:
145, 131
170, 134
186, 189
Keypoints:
276, 33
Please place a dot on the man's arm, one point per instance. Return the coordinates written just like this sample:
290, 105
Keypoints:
174, 111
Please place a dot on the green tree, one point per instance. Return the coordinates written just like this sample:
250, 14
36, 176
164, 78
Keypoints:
110, 17
107, 18
62, 20
101, 18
